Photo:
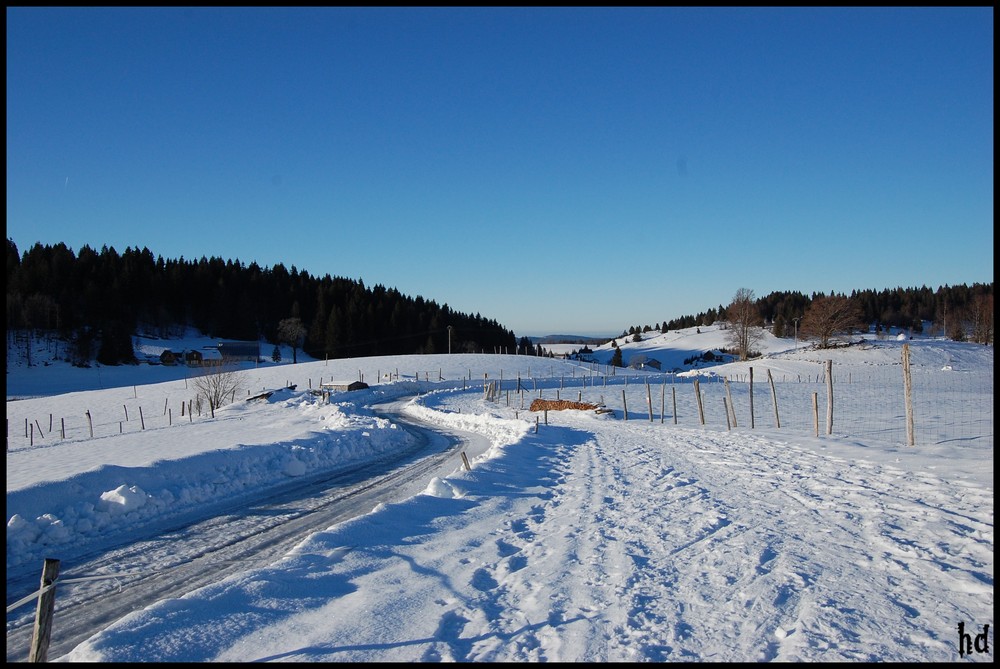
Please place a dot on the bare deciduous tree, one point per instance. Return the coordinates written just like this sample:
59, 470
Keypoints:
745, 323
981, 313
218, 384
831, 315
292, 332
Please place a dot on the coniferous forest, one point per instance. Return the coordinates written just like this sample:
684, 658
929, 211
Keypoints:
97, 300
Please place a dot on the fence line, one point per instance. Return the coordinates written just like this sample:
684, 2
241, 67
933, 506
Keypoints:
868, 404
945, 407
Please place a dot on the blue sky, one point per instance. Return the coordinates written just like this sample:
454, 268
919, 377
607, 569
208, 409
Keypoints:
559, 170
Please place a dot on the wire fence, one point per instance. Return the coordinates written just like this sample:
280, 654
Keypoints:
95, 424
945, 407
868, 403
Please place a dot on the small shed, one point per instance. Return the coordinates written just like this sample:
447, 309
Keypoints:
354, 385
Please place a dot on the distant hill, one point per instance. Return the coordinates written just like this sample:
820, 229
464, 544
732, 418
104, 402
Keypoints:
569, 339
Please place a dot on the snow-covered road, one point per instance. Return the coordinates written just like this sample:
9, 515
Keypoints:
207, 545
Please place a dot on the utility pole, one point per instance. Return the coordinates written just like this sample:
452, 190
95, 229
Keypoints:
449, 340
796, 321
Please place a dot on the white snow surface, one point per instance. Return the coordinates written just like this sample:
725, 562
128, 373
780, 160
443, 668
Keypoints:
577, 536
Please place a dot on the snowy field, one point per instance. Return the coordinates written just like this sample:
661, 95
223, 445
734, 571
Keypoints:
657, 531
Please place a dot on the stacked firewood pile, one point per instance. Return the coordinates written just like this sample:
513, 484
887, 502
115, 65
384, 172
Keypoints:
561, 405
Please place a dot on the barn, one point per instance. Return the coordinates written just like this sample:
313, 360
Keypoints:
240, 350
205, 357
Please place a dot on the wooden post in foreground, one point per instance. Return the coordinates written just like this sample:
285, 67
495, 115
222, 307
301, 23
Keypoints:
43, 613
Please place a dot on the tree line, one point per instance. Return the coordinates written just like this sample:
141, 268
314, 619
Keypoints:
97, 300
961, 312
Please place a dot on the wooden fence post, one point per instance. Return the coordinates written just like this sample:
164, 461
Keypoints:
816, 413
907, 394
697, 396
649, 401
673, 393
752, 421
774, 398
732, 407
43, 613
829, 396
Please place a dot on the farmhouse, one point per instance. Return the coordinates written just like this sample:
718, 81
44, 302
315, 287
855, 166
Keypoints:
168, 357
203, 358
642, 361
